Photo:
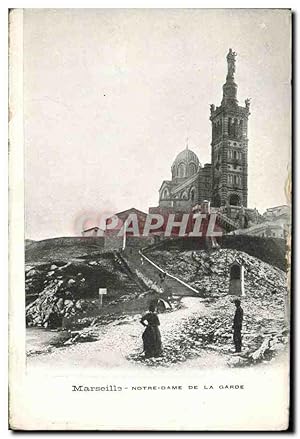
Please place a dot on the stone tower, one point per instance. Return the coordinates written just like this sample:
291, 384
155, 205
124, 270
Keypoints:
229, 145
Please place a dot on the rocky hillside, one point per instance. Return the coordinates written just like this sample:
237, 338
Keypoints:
209, 271
67, 288
270, 250
265, 305
64, 289
61, 249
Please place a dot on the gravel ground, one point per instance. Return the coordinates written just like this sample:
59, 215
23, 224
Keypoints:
191, 337
119, 343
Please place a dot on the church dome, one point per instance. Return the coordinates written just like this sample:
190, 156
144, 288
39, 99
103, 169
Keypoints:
186, 164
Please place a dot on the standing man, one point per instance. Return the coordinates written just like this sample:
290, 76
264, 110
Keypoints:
237, 326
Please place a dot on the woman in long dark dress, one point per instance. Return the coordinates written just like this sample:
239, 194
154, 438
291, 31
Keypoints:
151, 335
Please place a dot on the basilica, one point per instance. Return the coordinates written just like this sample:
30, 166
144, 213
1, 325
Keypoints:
224, 181
219, 187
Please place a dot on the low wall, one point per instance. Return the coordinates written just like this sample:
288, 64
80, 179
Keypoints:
270, 250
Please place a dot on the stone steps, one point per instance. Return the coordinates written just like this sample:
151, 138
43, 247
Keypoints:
150, 275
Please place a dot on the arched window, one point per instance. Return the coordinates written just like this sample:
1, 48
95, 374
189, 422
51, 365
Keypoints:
229, 126
165, 193
235, 128
192, 169
237, 180
241, 127
234, 200
181, 170
192, 194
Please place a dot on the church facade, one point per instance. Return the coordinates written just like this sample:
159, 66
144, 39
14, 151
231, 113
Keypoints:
224, 181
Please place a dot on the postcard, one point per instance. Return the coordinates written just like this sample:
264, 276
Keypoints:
150, 219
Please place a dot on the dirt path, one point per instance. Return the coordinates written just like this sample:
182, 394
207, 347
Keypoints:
120, 339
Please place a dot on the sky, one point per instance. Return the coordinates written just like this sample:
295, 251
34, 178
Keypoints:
111, 96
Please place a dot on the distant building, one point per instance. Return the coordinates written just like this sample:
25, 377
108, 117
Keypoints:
280, 216
117, 238
278, 210
278, 213
125, 216
263, 230
274, 223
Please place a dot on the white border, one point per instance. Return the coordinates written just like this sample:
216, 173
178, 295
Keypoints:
3, 117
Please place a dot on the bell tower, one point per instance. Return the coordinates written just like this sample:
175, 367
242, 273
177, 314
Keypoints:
229, 145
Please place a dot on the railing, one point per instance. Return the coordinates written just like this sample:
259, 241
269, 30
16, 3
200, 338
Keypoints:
168, 274
134, 277
226, 219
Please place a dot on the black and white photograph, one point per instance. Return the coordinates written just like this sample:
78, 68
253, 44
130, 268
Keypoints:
156, 163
